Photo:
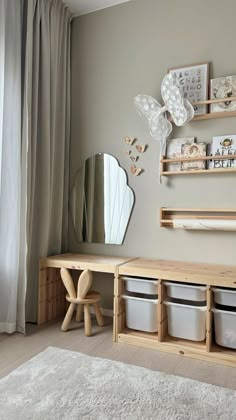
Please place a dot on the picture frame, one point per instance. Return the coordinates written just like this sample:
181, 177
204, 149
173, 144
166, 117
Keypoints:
193, 80
174, 150
223, 87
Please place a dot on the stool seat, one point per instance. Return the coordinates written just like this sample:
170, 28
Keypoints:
82, 299
90, 298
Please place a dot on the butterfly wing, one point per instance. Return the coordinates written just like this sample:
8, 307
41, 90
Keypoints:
151, 110
147, 106
180, 109
160, 128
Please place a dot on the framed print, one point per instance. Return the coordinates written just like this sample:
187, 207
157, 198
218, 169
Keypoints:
223, 146
223, 87
193, 81
174, 150
195, 150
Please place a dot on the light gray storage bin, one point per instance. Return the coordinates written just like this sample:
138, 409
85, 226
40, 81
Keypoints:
140, 285
141, 313
225, 327
185, 320
225, 297
186, 291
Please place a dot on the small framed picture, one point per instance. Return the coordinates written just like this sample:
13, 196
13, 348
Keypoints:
174, 151
193, 81
223, 87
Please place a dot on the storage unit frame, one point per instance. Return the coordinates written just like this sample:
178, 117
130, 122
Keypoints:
51, 302
205, 274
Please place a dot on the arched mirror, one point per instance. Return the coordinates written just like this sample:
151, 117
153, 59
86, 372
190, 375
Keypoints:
101, 202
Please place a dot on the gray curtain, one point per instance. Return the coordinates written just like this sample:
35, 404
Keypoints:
34, 148
46, 122
12, 195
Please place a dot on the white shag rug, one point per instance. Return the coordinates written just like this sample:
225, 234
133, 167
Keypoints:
60, 384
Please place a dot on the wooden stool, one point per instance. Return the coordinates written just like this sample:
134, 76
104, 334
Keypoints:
83, 299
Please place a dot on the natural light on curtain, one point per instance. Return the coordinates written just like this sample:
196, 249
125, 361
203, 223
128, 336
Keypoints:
12, 233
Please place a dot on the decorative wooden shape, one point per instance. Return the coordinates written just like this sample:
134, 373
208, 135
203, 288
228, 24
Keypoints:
135, 171
84, 283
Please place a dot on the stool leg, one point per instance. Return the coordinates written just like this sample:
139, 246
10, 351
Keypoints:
87, 321
79, 313
99, 315
67, 319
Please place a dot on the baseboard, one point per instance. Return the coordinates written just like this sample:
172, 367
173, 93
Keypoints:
105, 312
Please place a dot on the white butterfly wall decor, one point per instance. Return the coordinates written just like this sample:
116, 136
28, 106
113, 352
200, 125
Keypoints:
180, 110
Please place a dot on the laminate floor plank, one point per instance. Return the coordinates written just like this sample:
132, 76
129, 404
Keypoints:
16, 349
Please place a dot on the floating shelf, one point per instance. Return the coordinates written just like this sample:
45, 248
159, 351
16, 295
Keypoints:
163, 161
211, 115
198, 219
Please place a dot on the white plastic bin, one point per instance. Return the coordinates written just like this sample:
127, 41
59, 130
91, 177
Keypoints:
186, 321
225, 297
185, 291
141, 313
225, 327
140, 285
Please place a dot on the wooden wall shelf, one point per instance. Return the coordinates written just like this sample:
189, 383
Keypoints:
211, 115
164, 161
168, 215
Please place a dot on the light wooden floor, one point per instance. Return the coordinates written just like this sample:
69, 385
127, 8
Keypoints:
16, 349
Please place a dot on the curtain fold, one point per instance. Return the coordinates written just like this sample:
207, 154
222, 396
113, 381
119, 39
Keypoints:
46, 139
34, 149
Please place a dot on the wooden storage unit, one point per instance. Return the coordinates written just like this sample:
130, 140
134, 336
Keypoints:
210, 275
51, 302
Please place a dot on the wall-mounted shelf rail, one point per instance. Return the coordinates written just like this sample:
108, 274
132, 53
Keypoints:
198, 219
165, 161
211, 115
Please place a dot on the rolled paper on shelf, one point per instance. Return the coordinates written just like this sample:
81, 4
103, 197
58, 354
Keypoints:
204, 224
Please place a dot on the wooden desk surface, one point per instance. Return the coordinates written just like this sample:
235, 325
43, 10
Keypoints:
213, 274
99, 263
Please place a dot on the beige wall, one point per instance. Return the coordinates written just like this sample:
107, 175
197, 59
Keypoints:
125, 50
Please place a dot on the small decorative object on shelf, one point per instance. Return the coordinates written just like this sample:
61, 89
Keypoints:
223, 146
174, 150
223, 87
195, 150
199, 219
193, 81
